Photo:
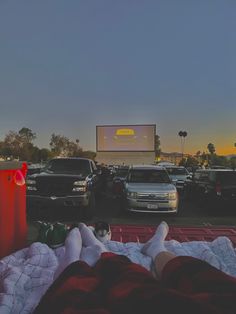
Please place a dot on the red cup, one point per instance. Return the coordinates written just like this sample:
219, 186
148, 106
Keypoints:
13, 223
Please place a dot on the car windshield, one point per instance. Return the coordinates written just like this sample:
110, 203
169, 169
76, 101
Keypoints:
73, 166
227, 177
148, 176
121, 173
177, 171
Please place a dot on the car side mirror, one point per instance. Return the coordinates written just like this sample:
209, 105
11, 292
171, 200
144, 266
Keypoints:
173, 181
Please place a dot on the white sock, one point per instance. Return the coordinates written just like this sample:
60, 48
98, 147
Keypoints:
88, 237
73, 246
156, 244
91, 254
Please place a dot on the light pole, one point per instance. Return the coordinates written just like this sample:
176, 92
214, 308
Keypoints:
182, 135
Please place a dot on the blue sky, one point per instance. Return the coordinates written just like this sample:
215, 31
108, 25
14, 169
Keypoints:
67, 66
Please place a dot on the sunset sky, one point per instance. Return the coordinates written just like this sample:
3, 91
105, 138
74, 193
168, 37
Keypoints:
69, 65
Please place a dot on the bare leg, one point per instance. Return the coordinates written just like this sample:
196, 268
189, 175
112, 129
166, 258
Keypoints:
160, 261
155, 248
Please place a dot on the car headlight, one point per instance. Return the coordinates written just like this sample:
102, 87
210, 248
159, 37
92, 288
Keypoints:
80, 186
132, 194
31, 185
80, 183
30, 182
172, 196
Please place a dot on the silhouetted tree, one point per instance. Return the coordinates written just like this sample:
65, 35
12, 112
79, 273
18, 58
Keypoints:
157, 146
211, 148
27, 135
62, 146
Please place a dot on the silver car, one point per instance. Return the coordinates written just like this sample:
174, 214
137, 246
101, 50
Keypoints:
178, 175
149, 189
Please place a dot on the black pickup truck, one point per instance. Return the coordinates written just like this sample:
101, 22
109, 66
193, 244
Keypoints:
69, 183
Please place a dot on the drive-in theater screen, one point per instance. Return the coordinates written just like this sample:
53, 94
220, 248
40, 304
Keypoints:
126, 138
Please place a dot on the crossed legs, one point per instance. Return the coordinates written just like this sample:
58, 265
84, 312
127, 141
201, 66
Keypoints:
81, 244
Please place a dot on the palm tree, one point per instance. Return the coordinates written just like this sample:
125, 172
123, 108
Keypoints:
211, 148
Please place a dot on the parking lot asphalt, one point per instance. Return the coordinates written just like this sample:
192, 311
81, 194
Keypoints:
191, 213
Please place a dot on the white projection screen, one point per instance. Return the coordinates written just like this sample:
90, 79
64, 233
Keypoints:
120, 138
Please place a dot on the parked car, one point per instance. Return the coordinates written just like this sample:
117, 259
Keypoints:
34, 168
217, 186
69, 183
178, 175
149, 189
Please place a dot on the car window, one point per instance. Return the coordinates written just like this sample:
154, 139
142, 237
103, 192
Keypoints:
196, 175
204, 176
148, 176
75, 166
212, 176
227, 177
93, 166
121, 172
177, 171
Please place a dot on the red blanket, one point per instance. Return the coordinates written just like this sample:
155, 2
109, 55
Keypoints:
116, 285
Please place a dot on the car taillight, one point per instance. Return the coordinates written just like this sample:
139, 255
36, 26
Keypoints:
118, 187
218, 188
19, 178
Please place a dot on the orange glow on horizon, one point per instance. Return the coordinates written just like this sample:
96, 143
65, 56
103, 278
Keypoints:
226, 151
222, 151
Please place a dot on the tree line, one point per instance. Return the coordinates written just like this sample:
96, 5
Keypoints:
20, 145
209, 159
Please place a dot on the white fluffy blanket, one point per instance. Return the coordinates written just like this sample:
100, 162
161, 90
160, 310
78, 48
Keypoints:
26, 274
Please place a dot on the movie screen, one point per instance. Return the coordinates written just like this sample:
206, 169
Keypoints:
125, 138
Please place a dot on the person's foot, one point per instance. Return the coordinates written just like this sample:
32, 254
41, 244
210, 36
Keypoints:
91, 254
92, 247
73, 244
73, 247
87, 235
156, 244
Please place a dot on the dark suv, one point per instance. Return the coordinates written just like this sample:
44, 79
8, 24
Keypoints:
69, 183
215, 185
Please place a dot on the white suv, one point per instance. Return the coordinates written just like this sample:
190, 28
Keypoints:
149, 189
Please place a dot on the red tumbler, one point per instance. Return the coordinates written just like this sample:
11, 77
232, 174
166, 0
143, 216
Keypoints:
13, 224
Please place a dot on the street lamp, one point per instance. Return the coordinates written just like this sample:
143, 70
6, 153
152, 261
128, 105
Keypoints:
182, 135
